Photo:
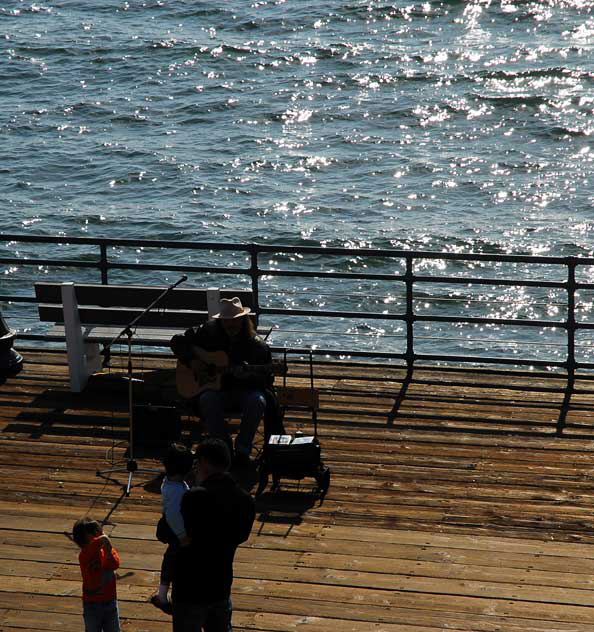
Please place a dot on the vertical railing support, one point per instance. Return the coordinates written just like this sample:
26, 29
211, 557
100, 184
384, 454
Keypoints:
570, 326
409, 317
255, 275
571, 320
103, 265
410, 333
103, 262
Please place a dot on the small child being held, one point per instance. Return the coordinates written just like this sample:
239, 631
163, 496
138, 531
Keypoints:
178, 462
98, 561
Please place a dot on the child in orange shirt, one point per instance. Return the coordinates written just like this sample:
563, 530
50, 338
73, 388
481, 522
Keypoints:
98, 561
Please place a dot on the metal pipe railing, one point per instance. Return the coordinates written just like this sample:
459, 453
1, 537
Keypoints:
404, 275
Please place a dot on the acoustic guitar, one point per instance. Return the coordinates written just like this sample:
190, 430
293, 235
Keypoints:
205, 372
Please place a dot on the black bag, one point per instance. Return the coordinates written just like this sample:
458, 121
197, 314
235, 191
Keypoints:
164, 532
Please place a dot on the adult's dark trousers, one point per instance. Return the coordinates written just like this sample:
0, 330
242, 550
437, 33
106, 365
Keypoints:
214, 406
168, 563
192, 617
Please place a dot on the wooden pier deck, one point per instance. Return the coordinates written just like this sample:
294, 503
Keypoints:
466, 513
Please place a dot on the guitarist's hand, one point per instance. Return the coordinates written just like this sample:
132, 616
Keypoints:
210, 369
205, 371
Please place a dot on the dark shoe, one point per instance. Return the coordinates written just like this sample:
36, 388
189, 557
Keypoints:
165, 606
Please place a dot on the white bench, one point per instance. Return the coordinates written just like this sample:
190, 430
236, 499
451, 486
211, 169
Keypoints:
88, 315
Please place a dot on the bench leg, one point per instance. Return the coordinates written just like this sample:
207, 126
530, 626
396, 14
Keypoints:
75, 346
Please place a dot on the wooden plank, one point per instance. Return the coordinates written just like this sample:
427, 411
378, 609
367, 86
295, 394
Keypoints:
482, 532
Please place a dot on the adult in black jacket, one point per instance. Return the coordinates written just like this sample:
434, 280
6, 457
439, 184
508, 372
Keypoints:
218, 516
245, 384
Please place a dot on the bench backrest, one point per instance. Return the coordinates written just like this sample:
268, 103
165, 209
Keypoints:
120, 304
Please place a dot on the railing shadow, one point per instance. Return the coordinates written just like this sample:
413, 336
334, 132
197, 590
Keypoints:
284, 508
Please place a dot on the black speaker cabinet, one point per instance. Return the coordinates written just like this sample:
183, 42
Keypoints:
155, 426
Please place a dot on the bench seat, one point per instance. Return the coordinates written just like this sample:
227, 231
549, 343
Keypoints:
143, 336
104, 334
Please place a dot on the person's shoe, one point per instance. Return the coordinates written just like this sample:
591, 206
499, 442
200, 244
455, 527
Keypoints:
164, 606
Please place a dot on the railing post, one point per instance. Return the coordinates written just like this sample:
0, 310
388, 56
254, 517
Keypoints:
410, 342
409, 354
570, 325
571, 266
254, 274
103, 262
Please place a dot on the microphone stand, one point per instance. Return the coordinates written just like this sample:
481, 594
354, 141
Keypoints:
131, 464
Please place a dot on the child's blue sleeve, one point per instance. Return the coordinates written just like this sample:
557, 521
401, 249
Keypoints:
172, 495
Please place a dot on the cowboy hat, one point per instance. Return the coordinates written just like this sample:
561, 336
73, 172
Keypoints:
231, 308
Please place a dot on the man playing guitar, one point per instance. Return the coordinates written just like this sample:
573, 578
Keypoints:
224, 366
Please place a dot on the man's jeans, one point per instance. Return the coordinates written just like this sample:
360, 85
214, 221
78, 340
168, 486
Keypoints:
215, 405
190, 617
101, 616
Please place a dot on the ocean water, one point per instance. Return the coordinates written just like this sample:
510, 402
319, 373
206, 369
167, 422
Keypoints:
461, 126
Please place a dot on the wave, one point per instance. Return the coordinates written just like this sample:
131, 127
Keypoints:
134, 119
121, 151
560, 131
33, 8
558, 72
388, 11
513, 101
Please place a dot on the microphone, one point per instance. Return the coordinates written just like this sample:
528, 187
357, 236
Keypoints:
183, 278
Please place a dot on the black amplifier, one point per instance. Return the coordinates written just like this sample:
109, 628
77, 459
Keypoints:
155, 425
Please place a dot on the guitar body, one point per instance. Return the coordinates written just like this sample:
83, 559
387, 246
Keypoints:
205, 372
